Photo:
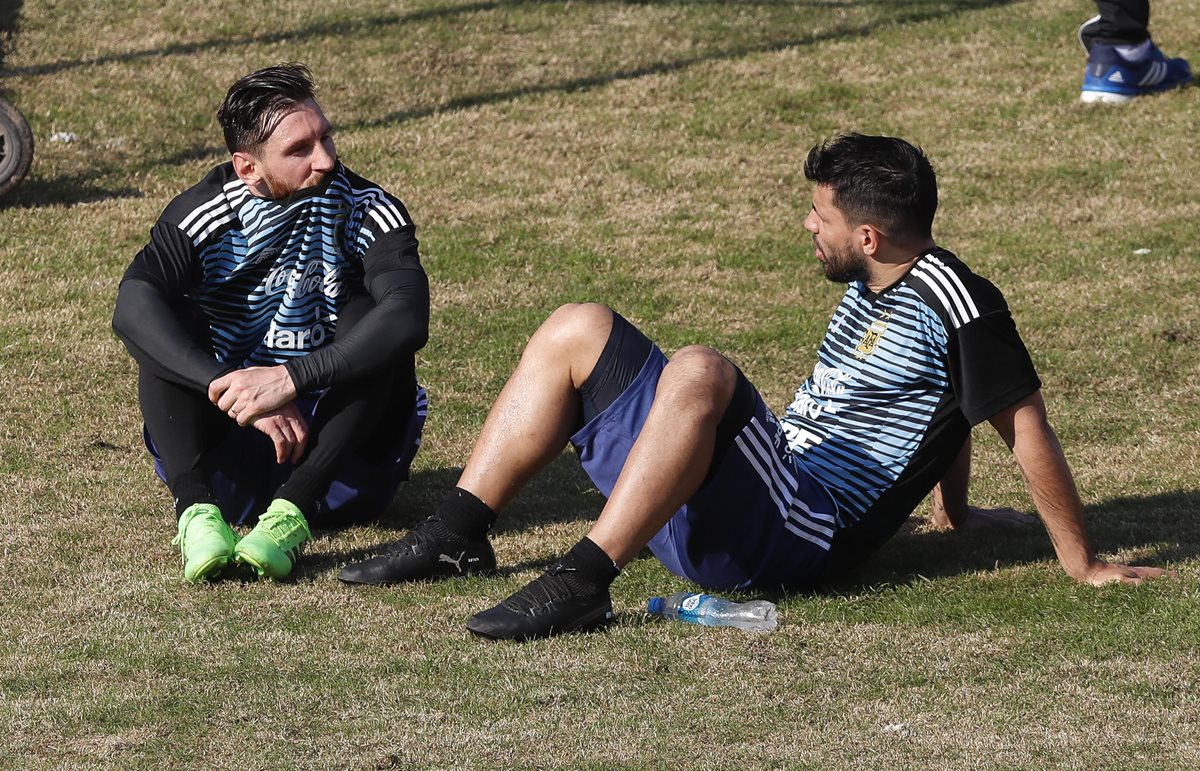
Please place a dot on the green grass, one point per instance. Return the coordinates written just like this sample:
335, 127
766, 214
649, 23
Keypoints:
645, 154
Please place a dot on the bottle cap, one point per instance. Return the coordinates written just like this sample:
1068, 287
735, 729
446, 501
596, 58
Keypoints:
654, 606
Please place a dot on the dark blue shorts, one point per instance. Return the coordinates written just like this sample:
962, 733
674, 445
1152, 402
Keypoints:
244, 475
758, 521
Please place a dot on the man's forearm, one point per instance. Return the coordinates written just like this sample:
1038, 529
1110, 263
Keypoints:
949, 496
1050, 483
157, 339
398, 325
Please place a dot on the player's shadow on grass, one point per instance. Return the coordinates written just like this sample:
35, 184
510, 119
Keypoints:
1156, 530
386, 25
1159, 530
62, 191
561, 493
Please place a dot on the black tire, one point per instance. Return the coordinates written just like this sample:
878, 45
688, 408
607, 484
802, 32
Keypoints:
16, 147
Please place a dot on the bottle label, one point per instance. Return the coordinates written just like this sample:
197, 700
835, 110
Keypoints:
690, 604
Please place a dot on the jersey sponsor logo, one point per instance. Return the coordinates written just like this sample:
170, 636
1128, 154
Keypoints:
872, 336
316, 276
812, 402
801, 439
296, 339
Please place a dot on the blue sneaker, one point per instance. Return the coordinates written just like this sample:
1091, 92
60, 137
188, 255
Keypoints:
1110, 77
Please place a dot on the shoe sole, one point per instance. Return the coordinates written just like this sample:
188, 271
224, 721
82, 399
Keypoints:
209, 569
1104, 97
598, 620
262, 567
426, 579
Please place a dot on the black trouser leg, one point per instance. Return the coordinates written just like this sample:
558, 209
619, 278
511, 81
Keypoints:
365, 417
183, 425
1122, 22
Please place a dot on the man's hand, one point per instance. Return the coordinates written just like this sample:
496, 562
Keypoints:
288, 431
975, 519
1101, 572
245, 394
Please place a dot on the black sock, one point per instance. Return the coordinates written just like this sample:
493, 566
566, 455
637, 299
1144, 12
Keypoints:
305, 488
189, 489
465, 515
593, 570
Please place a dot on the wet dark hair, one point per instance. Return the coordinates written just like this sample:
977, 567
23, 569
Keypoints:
256, 103
882, 181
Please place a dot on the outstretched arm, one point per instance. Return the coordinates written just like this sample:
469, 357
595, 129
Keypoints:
1027, 432
949, 501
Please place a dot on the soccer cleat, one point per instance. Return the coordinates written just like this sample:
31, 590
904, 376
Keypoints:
549, 605
273, 546
205, 540
427, 551
1109, 77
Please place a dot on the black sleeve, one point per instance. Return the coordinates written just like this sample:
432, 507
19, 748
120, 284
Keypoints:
397, 326
150, 317
990, 368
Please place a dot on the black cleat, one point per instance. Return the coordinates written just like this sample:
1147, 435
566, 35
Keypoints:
551, 604
427, 551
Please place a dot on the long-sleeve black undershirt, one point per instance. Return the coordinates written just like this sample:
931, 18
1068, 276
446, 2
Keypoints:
153, 315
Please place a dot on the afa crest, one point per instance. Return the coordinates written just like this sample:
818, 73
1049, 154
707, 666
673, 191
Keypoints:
871, 338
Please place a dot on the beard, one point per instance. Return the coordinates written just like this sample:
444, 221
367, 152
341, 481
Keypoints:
281, 190
842, 266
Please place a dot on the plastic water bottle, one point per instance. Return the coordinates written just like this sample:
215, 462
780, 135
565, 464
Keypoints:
704, 609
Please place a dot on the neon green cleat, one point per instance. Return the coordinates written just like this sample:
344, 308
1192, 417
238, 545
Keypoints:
273, 546
205, 540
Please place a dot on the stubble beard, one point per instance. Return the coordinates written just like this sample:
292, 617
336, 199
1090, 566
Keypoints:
842, 266
280, 191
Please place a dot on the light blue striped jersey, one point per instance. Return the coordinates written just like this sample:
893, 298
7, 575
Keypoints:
900, 378
273, 275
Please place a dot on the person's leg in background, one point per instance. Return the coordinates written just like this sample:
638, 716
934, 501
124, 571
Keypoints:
1123, 61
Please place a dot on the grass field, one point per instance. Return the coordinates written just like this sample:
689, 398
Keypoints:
646, 154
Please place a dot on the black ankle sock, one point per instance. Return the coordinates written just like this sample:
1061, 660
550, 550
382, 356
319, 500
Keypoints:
465, 515
593, 569
189, 489
305, 488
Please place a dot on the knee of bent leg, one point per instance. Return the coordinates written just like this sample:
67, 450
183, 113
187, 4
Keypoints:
701, 376
576, 324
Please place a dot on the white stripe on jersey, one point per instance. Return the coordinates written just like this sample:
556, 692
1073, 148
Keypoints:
380, 208
378, 216
942, 281
210, 215
213, 225
196, 221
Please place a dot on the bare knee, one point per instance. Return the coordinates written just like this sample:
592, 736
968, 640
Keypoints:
700, 378
573, 335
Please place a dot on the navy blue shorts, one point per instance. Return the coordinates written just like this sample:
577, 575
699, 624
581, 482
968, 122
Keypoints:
758, 521
244, 475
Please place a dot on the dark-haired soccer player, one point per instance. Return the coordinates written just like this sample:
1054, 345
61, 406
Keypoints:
274, 316
697, 467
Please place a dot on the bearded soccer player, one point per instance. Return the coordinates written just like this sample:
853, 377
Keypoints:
275, 315
694, 464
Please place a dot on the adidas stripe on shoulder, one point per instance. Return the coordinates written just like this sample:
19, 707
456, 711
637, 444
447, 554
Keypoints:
948, 287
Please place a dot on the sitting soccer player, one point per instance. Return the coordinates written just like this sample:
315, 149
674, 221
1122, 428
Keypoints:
696, 466
274, 316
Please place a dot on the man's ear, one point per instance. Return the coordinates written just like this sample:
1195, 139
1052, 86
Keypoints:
870, 240
247, 168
